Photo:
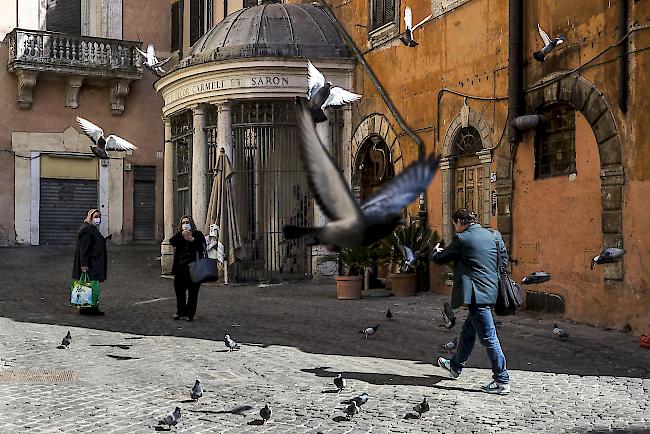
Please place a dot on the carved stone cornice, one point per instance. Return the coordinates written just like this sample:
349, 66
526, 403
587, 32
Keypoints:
26, 82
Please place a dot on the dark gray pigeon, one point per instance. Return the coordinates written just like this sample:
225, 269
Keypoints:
451, 345
101, 143
339, 382
361, 399
351, 410
407, 37
536, 277
231, 344
172, 419
65, 342
349, 224
369, 331
389, 314
197, 391
549, 44
422, 407
559, 332
322, 94
265, 413
608, 256
448, 316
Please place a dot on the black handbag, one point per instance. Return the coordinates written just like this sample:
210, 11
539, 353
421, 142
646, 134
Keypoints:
508, 291
203, 270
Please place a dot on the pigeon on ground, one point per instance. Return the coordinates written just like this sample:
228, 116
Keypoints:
361, 399
265, 413
451, 345
172, 419
608, 256
407, 38
448, 316
549, 44
197, 391
369, 331
151, 61
422, 407
66, 341
536, 277
101, 143
349, 224
409, 258
322, 94
231, 344
389, 314
559, 332
339, 382
351, 410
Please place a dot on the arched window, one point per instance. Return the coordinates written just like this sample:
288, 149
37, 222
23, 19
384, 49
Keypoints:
555, 143
373, 166
467, 142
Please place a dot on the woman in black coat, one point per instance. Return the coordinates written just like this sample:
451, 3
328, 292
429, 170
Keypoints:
90, 254
189, 245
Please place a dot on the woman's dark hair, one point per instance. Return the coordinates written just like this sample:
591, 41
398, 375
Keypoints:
463, 217
180, 223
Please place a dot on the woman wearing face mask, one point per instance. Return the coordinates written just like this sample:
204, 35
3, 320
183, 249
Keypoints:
188, 242
90, 254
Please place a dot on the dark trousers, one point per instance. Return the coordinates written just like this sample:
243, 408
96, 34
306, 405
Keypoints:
183, 285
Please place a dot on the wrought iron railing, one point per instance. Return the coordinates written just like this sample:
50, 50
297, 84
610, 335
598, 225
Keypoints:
42, 51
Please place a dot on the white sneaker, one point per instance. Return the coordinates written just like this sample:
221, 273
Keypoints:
446, 365
496, 388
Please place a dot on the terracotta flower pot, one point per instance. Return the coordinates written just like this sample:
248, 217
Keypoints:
349, 287
403, 284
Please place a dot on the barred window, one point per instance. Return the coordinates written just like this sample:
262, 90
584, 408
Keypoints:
467, 141
383, 12
555, 143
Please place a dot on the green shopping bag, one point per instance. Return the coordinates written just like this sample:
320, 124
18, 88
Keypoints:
84, 292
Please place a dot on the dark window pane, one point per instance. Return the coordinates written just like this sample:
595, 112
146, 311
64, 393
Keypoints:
177, 25
197, 17
64, 16
555, 153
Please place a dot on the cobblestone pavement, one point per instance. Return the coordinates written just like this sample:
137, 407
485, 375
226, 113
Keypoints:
123, 372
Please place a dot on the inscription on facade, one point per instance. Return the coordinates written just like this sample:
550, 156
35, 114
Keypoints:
227, 83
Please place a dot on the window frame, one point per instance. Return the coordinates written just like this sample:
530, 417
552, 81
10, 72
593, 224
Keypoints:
547, 140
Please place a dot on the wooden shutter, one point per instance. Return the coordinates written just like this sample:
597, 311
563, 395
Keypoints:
64, 16
177, 26
197, 13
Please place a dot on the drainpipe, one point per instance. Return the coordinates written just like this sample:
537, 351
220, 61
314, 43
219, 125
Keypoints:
623, 77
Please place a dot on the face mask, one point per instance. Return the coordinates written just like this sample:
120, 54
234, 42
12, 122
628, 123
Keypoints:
97, 221
187, 226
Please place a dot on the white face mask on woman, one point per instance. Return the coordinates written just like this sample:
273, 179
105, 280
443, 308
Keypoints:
186, 226
97, 221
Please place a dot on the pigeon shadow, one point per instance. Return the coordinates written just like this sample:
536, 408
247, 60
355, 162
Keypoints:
122, 357
411, 416
239, 410
186, 401
257, 422
379, 379
136, 337
330, 391
122, 347
460, 389
162, 428
340, 419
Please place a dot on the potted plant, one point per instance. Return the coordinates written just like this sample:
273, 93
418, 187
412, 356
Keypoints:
352, 263
407, 249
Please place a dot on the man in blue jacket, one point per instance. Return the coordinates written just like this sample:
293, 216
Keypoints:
474, 252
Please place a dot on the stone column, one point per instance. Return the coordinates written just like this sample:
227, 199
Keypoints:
224, 128
446, 169
485, 157
166, 250
199, 168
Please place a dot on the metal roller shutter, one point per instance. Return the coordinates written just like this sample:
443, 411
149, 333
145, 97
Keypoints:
144, 204
64, 204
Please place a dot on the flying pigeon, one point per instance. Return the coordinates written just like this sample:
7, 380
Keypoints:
389, 314
451, 345
265, 413
361, 399
66, 341
151, 61
231, 344
607, 256
407, 38
197, 391
549, 44
322, 94
409, 258
350, 224
339, 382
172, 419
369, 331
448, 316
103, 144
559, 332
536, 277
422, 407
351, 410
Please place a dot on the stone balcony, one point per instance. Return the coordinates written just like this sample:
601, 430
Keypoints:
77, 60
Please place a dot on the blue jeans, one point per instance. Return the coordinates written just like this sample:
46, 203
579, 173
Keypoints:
479, 322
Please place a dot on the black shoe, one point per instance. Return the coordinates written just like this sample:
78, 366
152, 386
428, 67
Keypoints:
90, 311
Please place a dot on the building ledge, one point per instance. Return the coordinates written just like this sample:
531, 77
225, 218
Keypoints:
75, 60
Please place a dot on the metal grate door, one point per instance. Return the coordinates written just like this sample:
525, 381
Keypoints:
182, 141
270, 190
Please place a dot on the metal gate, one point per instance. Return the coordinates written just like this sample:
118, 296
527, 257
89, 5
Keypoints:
182, 141
144, 203
64, 204
270, 190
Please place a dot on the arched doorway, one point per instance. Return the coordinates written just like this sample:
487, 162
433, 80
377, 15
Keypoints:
467, 172
373, 166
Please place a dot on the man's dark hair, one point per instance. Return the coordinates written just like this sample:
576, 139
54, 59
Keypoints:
463, 216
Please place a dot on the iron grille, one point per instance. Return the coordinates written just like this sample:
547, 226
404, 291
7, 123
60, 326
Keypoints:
270, 190
555, 145
336, 133
467, 141
182, 141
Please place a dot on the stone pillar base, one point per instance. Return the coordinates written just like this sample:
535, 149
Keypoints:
166, 257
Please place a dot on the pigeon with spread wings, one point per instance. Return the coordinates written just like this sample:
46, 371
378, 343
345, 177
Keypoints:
407, 37
151, 61
549, 44
101, 143
322, 94
351, 224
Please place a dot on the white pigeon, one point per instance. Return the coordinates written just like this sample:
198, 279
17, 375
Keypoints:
559, 332
151, 61
103, 144
549, 44
322, 94
231, 344
407, 38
